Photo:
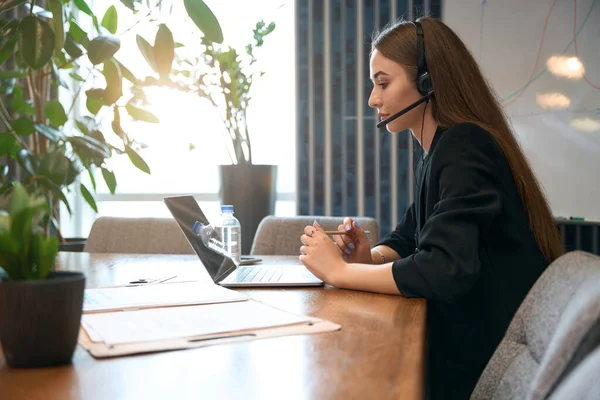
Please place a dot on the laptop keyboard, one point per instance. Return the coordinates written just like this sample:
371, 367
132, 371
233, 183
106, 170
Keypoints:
258, 274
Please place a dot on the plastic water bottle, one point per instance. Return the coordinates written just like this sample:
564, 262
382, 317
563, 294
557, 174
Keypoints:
231, 233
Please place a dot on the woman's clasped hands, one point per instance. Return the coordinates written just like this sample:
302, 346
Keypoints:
328, 259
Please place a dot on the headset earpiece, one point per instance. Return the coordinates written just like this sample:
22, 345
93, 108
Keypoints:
423, 80
424, 84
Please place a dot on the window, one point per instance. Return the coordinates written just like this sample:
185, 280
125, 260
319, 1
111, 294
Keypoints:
185, 148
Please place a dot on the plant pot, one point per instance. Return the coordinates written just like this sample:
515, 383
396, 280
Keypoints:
39, 319
252, 190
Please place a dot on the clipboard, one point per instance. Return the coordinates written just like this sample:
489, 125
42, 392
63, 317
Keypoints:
100, 349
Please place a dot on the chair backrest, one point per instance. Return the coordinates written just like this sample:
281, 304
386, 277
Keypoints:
281, 235
137, 235
556, 326
583, 382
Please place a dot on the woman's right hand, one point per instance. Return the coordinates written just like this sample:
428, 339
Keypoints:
354, 245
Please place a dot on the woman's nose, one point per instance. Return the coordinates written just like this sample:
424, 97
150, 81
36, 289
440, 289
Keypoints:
374, 101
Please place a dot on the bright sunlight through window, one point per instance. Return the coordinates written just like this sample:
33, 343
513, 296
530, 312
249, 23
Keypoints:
185, 148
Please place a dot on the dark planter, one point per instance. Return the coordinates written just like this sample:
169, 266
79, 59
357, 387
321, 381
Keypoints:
251, 189
39, 319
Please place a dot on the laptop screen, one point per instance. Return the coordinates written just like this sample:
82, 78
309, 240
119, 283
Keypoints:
187, 213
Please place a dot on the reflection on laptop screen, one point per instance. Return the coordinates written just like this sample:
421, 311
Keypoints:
186, 212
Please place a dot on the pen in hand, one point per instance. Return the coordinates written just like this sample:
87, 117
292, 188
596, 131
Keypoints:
340, 232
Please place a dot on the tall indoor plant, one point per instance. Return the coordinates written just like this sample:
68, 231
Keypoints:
45, 147
45, 144
224, 77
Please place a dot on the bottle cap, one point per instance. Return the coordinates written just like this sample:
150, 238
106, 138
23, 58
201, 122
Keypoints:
196, 228
227, 208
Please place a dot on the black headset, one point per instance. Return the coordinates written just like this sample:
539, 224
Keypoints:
424, 85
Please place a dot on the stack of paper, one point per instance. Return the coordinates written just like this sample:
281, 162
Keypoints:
158, 295
184, 322
167, 316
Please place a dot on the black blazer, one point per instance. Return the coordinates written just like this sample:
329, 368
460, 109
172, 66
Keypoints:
467, 248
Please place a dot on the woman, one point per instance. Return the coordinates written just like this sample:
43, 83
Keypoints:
480, 231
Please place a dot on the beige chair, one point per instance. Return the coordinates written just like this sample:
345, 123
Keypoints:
556, 326
281, 235
137, 235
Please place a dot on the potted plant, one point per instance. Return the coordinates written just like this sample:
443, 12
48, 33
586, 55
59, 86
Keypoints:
45, 147
224, 77
40, 310
44, 143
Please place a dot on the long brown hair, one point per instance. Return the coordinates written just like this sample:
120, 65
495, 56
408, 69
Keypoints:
462, 94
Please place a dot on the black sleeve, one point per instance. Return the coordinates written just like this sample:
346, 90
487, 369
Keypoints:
402, 239
447, 263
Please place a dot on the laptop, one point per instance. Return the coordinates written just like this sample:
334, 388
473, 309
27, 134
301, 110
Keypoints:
220, 266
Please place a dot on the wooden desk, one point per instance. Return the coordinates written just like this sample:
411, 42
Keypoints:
378, 353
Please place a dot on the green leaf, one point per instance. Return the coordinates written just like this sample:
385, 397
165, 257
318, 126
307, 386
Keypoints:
20, 105
23, 126
141, 115
137, 160
78, 34
101, 48
87, 124
96, 93
114, 82
73, 49
55, 112
88, 197
7, 86
58, 24
55, 190
94, 104
19, 199
45, 254
116, 123
36, 41
8, 144
26, 161
164, 51
95, 100
99, 136
76, 77
86, 146
13, 74
92, 178
8, 4
205, 20
147, 51
4, 222
110, 20
49, 132
129, 4
9, 30
126, 73
82, 5
57, 168
8, 40
109, 178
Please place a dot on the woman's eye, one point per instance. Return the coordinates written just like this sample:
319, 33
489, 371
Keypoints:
383, 85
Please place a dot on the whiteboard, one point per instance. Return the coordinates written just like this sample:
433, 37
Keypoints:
554, 106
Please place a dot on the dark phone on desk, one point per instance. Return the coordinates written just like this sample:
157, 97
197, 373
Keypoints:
249, 260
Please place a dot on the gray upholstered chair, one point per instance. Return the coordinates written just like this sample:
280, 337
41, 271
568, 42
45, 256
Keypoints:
556, 326
281, 235
137, 235
583, 382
